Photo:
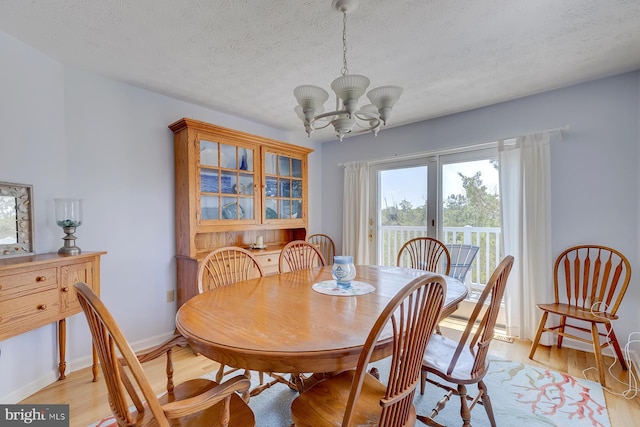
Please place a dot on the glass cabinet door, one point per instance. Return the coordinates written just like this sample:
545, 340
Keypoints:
227, 177
283, 187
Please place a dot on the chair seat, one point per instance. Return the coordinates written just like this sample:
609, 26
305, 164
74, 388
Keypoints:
578, 312
438, 356
317, 406
240, 414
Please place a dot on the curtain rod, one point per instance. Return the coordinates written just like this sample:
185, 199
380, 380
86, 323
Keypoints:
478, 146
560, 130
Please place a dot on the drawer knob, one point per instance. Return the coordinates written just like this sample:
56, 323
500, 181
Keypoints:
42, 306
268, 259
65, 289
41, 278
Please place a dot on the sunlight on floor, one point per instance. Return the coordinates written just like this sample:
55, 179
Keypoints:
458, 324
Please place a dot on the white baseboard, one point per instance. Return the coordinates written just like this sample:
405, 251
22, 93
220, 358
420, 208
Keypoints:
634, 359
587, 348
72, 365
29, 389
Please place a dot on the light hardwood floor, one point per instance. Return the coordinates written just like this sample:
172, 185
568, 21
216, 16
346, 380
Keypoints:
88, 400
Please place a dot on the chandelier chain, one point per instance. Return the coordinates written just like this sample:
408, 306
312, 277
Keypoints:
345, 68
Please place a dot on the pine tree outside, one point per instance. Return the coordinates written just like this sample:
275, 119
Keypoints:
470, 215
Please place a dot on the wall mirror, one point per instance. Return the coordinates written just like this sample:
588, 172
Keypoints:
16, 219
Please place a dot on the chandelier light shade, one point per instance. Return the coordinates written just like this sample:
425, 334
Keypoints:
348, 89
384, 98
310, 99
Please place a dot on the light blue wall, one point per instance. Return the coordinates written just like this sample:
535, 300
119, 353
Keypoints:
594, 170
32, 151
636, 347
73, 134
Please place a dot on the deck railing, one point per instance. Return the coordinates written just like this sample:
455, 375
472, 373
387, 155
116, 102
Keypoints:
487, 238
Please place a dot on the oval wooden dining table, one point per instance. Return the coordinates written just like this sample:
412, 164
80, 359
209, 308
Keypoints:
279, 323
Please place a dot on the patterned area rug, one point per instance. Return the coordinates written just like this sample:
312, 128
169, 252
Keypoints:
522, 395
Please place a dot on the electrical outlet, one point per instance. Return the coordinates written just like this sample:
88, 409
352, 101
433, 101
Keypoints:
171, 296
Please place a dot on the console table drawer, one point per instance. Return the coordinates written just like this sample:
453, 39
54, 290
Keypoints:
69, 276
24, 283
28, 312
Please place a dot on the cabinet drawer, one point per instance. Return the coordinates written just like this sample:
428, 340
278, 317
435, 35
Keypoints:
28, 312
268, 262
69, 276
27, 282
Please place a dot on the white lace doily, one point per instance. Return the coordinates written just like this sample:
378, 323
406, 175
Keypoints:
330, 287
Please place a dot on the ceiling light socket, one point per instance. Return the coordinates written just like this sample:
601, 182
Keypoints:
345, 6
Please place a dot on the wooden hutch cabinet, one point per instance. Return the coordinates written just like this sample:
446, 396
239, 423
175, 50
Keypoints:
230, 188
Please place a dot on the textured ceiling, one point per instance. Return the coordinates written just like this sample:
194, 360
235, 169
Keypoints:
245, 57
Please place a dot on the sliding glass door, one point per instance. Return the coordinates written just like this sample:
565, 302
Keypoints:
403, 208
470, 211
453, 197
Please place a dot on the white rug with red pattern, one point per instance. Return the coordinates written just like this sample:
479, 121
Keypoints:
521, 394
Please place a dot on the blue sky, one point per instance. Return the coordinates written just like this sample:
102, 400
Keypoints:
411, 183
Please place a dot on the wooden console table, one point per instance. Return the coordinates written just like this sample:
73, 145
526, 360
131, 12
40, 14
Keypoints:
37, 290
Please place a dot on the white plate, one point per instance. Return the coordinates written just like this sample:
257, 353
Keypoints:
258, 247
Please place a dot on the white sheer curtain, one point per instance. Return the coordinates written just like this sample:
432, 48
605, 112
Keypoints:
355, 212
525, 195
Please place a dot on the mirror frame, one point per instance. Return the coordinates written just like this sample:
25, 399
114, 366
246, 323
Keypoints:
23, 194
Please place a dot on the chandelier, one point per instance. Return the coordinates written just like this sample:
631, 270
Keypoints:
348, 89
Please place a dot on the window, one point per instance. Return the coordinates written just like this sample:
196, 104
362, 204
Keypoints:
452, 196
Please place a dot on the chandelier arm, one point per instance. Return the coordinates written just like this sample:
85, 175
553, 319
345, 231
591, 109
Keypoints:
373, 124
363, 115
314, 127
331, 113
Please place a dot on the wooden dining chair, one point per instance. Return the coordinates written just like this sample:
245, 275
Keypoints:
325, 244
222, 267
425, 253
226, 265
355, 397
464, 362
194, 402
589, 283
299, 255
